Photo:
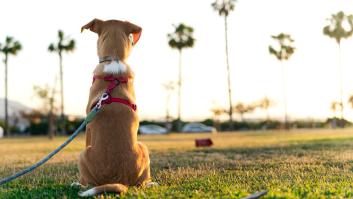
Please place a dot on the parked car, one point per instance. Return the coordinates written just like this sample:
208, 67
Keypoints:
197, 127
152, 129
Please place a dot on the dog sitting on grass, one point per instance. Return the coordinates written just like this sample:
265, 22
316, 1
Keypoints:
113, 158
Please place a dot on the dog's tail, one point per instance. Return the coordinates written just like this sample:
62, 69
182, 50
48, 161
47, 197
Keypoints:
109, 188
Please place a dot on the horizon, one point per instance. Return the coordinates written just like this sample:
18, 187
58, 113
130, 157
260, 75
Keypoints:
224, 118
254, 72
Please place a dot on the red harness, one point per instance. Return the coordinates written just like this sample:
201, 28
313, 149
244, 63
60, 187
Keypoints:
114, 82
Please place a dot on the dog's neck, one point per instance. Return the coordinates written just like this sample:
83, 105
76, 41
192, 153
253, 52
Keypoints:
113, 65
108, 58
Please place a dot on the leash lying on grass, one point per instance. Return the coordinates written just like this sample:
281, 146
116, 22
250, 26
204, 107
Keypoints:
256, 195
87, 120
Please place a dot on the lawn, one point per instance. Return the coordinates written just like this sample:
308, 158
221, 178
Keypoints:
294, 164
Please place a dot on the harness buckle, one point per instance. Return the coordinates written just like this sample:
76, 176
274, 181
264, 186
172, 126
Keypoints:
102, 98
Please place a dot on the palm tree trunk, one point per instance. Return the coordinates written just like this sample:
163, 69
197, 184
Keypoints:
167, 109
167, 116
231, 125
6, 127
179, 92
341, 85
266, 107
167, 113
62, 95
51, 119
284, 80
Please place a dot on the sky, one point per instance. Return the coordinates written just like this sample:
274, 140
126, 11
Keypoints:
312, 71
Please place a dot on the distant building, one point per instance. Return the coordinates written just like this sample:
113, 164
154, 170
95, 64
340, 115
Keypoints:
15, 114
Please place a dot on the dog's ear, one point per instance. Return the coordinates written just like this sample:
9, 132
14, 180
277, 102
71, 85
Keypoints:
95, 26
134, 30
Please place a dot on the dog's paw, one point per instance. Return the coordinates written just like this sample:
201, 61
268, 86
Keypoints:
76, 184
151, 184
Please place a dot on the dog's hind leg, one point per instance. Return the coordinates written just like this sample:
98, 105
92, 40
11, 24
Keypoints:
85, 175
145, 177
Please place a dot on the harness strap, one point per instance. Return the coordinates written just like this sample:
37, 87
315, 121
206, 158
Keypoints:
121, 101
114, 82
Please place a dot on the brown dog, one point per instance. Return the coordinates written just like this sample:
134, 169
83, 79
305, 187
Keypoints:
113, 159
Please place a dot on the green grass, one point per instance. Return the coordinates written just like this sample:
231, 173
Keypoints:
294, 164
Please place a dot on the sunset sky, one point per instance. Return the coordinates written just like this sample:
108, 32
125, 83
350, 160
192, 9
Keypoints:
312, 72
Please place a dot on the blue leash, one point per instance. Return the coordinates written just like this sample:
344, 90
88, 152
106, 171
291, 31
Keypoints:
87, 120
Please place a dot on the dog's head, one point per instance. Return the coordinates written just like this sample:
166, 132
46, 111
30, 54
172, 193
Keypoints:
115, 38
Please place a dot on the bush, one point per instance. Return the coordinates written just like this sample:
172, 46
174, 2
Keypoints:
40, 128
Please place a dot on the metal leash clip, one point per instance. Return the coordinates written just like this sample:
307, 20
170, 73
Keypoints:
102, 98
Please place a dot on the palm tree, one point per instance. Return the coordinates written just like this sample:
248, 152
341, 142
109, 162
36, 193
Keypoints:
46, 95
169, 88
223, 8
284, 52
337, 29
181, 38
265, 103
217, 112
63, 45
10, 47
241, 109
335, 106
